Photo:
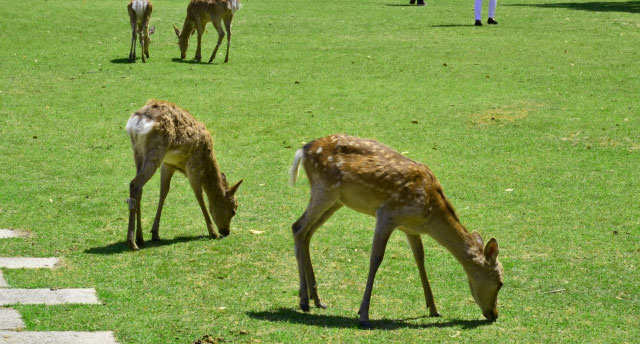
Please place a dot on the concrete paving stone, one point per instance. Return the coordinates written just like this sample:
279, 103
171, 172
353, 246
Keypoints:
10, 319
57, 337
27, 263
11, 233
47, 296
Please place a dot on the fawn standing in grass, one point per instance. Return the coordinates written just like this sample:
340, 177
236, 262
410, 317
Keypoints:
372, 178
139, 14
201, 12
166, 136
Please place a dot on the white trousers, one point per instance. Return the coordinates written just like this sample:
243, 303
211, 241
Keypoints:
492, 9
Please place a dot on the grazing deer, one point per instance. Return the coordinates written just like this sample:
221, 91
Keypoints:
201, 12
164, 135
372, 178
139, 14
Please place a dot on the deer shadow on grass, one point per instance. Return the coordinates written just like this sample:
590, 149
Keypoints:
122, 60
120, 247
203, 62
335, 321
595, 6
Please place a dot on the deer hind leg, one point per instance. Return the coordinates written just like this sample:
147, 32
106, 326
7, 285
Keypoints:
384, 228
194, 180
216, 23
166, 172
415, 242
141, 37
132, 50
147, 39
227, 24
147, 168
322, 205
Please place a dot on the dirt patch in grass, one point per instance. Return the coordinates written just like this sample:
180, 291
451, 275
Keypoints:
498, 116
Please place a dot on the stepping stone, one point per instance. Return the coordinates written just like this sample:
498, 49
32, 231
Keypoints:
10, 319
11, 233
57, 337
27, 263
47, 296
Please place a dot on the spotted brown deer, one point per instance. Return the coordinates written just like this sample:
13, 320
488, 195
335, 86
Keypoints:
201, 12
166, 136
371, 178
139, 14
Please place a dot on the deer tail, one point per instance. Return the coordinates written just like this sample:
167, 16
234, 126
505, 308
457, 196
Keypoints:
293, 172
234, 5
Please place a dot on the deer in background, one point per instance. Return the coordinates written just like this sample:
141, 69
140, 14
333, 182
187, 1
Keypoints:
166, 136
139, 14
201, 12
372, 178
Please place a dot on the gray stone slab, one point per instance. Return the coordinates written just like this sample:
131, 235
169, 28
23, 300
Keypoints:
57, 337
3, 283
11, 233
27, 263
47, 296
10, 319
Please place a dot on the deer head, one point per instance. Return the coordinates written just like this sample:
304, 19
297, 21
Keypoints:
183, 41
486, 281
225, 210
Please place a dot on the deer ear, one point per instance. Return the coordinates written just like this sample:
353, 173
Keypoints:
491, 250
476, 236
232, 190
175, 28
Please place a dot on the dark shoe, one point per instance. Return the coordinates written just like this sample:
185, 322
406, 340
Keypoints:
421, 3
492, 21
478, 23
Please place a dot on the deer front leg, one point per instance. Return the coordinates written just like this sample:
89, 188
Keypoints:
216, 23
415, 242
200, 30
166, 172
227, 24
383, 231
194, 180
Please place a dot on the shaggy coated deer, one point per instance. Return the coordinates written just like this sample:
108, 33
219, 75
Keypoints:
139, 14
371, 178
201, 12
164, 135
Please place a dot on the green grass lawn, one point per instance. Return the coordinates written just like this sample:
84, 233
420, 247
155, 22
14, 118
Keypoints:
545, 104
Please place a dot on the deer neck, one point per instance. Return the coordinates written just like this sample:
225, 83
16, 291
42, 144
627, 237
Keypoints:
450, 233
187, 27
212, 182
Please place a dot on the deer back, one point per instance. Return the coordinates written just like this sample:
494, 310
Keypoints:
368, 174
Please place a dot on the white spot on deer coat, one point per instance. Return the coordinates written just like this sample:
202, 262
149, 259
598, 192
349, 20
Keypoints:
319, 150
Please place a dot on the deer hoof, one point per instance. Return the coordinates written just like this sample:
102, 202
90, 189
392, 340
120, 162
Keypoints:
140, 242
133, 246
435, 315
304, 307
321, 305
364, 324
155, 236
